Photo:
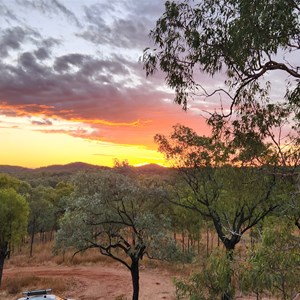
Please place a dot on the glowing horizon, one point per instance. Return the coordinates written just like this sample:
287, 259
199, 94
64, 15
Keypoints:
34, 149
81, 94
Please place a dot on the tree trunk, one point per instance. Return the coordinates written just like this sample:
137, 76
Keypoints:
227, 296
198, 242
32, 238
135, 276
207, 241
297, 223
229, 244
3, 255
229, 292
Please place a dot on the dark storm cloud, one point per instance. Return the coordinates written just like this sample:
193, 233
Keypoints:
89, 66
28, 63
12, 39
42, 53
79, 93
65, 62
45, 47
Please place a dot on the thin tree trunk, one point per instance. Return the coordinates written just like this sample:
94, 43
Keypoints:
10, 250
198, 242
229, 293
32, 238
135, 279
297, 223
3, 255
207, 241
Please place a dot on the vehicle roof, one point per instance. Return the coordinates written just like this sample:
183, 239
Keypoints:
40, 297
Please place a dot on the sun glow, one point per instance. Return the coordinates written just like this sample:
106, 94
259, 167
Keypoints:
24, 147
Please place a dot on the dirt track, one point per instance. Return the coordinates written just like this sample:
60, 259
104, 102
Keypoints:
104, 282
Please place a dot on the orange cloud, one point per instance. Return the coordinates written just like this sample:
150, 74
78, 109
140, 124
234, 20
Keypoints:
136, 123
39, 110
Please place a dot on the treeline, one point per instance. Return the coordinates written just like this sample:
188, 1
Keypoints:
200, 213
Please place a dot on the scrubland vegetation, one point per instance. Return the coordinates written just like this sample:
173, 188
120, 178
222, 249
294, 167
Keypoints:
220, 230
229, 209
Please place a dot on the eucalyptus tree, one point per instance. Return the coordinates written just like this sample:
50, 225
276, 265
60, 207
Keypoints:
13, 216
120, 216
41, 217
253, 46
59, 196
215, 187
244, 41
219, 187
189, 225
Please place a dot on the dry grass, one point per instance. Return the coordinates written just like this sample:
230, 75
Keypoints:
11, 288
121, 297
18, 284
90, 256
43, 255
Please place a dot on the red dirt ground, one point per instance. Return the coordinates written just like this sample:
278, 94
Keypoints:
103, 282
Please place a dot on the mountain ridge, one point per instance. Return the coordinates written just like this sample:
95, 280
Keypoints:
70, 167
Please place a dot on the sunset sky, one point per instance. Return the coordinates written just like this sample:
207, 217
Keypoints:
72, 87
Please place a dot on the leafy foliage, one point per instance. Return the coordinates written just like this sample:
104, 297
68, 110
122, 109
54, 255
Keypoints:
244, 39
210, 283
274, 267
119, 215
215, 184
13, 216
214, 187
111, 211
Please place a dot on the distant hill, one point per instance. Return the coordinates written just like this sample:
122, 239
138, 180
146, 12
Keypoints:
152, 169
52, 175
70, 168
77, 166
13, 169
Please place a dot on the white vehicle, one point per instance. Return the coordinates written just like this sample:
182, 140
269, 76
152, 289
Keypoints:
40, 295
